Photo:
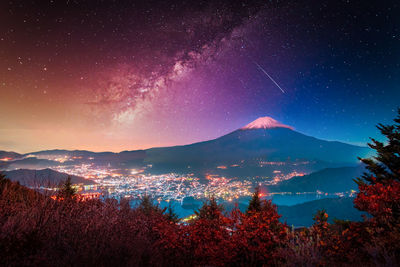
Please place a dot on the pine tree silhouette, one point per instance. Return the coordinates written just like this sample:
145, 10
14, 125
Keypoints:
255, 202
67, 191
385, 166
210, 210
171, 215
148, 207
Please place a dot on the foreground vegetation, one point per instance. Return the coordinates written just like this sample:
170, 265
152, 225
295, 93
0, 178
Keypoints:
38, 230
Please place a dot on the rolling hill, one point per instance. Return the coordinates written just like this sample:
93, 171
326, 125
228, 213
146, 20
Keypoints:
45, 177
329, 180
337, 208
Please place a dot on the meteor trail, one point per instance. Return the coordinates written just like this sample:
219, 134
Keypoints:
260, 68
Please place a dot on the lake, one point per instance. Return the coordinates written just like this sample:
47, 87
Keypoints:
191, 204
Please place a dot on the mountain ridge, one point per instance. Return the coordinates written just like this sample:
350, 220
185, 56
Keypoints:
259, 123
329, 180
43, 177
262, 141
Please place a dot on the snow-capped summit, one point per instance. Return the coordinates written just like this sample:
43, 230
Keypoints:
265, 123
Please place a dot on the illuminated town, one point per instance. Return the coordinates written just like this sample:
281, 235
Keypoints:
116, 183
169, 186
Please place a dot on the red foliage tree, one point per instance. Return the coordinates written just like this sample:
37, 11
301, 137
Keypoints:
258, 236
380, 196
208, 238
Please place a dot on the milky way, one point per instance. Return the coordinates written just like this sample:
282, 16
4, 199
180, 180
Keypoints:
104, 75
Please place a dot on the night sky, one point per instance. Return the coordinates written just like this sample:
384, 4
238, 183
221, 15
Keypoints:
123, 75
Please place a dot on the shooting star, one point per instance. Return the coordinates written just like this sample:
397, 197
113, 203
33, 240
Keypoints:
260, 68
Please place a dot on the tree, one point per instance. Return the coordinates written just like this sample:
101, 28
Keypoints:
171, 215
67, 191
379, 187
147, 206
208, 237
380, 196
210, 210
259, 236
255, 202
385, 166
321, 217
321, 228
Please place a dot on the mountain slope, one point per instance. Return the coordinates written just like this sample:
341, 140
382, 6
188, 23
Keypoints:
329, 180
254, 149
122, 158
45, 177
9, 155
337, 208
272, 144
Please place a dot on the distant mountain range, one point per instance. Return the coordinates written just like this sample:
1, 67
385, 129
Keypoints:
257, 149
7, 155
336, 208
46, 177
329, 180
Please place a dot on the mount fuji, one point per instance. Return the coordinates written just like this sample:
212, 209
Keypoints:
265, 123
263, 141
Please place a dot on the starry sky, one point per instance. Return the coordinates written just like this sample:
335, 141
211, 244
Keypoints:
124, 75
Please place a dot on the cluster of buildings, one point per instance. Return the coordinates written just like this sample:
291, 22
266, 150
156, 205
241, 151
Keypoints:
134, 183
